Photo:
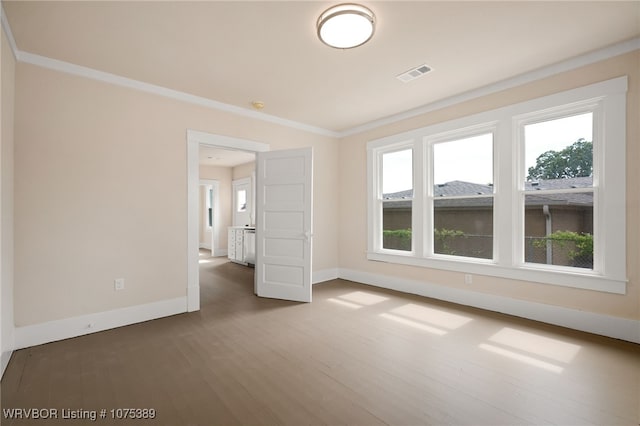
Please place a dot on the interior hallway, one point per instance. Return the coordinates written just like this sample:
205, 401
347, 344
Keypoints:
357, 355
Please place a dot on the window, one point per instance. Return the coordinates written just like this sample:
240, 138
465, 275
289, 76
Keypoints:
558, 191
534, 191
210, 207
241, 200
397, 199
463, 197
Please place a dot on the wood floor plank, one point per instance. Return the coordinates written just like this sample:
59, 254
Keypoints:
357, 355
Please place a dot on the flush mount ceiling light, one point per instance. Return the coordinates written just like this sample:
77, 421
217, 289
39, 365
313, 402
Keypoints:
346, 25
257, 105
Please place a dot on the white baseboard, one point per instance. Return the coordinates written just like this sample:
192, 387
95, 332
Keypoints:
206, 246
604, 325
325, 275
52, 331
220, 253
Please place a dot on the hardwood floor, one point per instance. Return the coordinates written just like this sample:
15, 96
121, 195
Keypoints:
357, 355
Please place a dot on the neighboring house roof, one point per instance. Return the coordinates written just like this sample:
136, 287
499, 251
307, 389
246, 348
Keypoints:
458, 188
577, 182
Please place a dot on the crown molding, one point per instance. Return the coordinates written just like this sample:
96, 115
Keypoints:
105, 77
540, 73
519, 80
7, 31
93, 74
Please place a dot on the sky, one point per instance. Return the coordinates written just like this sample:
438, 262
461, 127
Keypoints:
470, 159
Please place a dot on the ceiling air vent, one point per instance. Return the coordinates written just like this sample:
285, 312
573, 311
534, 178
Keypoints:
413, 73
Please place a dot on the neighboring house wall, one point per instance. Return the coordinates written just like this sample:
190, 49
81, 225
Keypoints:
473, 218
101, 193
353, 197
563, 218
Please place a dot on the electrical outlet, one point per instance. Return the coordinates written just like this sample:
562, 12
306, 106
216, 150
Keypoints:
468, 278
118, 284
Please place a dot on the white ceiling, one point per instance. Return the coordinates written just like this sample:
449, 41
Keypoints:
210, 156
239, 51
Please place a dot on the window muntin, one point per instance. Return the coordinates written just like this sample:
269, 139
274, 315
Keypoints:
605, 103
397, 200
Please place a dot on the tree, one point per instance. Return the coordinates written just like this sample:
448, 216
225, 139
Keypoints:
576, 160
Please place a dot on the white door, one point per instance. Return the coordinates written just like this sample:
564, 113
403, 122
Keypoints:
284, 224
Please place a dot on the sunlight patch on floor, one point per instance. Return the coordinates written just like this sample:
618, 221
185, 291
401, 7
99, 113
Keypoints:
535, 344
345, 303
522, 358
431, 316
414, 324
363, 298
533, 349
358, 299
432, 320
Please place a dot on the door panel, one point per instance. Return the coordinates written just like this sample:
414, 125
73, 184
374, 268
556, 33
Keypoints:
284, 226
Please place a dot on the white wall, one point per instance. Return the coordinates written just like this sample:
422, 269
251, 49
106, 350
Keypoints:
114, 163
7, 67
620, 309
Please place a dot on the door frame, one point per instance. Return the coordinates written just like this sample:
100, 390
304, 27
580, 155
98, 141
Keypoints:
196, 138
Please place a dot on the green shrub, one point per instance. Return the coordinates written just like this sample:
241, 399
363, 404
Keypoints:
397, 239
445, 236
580, 245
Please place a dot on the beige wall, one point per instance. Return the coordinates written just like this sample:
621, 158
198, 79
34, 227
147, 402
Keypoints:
102, 183
224, 176
100, 173
7, 92
353, 190
244, 170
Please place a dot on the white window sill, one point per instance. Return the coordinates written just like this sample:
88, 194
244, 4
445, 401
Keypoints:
565, 277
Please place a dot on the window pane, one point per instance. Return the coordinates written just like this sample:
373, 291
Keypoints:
210, 207
463, 227
559, 229
464, 166
397, 189
396, 225
397, 173
242, 200
559, 153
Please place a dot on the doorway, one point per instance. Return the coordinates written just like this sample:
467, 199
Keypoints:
284, 231
196, 140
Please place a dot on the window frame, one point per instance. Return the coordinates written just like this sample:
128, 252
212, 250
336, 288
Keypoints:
607, 101
452, 136
379, 199
593, 106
